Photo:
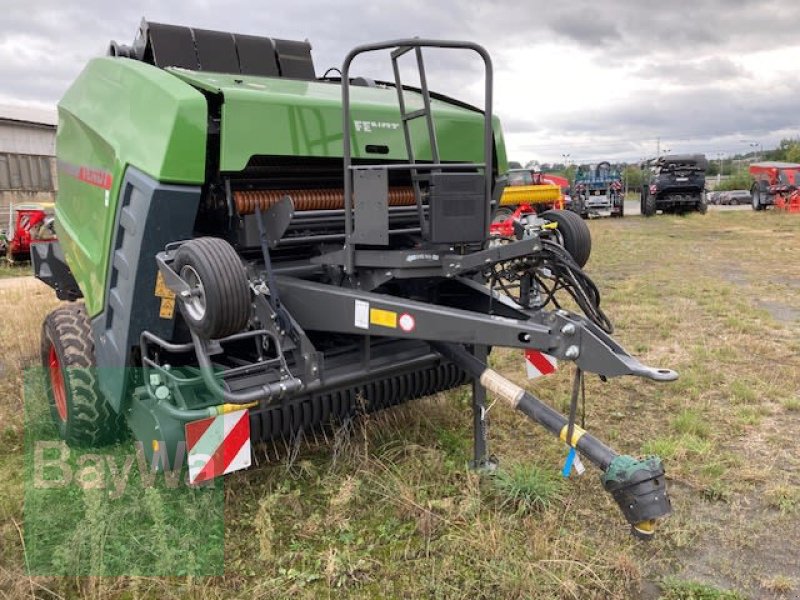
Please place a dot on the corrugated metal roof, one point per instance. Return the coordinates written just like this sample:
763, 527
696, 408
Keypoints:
29, 114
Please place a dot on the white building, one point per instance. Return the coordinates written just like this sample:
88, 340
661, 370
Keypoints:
27, 156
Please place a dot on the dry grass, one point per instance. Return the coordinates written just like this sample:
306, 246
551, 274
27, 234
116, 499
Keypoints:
388, 507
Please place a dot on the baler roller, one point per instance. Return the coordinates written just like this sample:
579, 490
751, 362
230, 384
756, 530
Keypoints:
320, 199
287, 419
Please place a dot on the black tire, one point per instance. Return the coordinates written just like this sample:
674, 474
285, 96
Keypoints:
574, 232
702, 207
756, 203
81, 414
220, 305
501, 214
649, 205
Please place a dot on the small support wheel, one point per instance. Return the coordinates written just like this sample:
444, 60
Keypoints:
219, 300
574, 232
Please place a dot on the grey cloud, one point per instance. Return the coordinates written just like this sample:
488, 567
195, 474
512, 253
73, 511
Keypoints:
45, 43
700, 119
692, 72
588, 29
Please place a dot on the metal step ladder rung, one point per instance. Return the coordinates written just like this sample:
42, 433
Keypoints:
415, 114
406, 116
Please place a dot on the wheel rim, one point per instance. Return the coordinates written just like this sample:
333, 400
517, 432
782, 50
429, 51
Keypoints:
195, 304
500, 216
57, 383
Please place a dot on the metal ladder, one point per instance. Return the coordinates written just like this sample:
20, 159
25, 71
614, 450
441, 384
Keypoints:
398, 48
406, 117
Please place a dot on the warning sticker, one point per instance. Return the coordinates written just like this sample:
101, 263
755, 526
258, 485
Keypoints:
162, 291
407, 322
167, 310
384, 318
361, 319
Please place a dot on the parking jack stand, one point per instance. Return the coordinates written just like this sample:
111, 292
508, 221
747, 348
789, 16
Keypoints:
481, 461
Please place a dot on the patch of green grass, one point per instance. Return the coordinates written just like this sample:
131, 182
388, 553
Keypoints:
14, 270
664, 447
791, 404
453, 442
785, 498
678, 589
527, 488
742, 392
677, 447
691, 422
717, 491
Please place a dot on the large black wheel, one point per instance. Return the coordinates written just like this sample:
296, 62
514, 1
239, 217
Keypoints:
574, 232
757, 202
81, 414
219, 304
702, 206
649, 205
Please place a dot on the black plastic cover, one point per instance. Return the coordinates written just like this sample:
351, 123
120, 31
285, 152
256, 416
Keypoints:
164, 45
457, 208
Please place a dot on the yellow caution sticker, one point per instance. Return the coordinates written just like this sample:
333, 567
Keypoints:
577, 434
162, 291
167, 310
384, 318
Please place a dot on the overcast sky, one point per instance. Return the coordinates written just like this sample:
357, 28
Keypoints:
602, 79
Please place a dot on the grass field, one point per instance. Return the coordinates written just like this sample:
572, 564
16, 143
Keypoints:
14, 270
385, 507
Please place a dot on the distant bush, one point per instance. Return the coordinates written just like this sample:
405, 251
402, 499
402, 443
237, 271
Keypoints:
737, 181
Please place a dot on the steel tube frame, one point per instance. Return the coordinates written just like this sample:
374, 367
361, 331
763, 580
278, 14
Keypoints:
488, 133
559, 333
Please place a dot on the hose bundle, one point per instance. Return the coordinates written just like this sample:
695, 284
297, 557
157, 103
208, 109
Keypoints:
553, 269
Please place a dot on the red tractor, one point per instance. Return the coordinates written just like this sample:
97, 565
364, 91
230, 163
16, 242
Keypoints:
26, 223
776, 184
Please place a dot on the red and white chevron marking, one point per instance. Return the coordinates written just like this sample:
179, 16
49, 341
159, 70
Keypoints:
218, 445
538, 364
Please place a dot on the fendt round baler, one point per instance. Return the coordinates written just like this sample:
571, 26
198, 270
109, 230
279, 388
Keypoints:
242, 240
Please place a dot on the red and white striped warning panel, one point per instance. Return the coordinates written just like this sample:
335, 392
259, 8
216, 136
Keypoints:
218, 445
538, 363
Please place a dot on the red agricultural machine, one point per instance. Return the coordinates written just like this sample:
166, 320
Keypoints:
27, 223
776, 184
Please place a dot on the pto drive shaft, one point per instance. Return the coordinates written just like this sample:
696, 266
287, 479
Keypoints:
637, 485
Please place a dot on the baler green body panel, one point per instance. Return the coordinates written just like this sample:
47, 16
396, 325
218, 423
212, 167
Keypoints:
122, 112
119, 112
285, 117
